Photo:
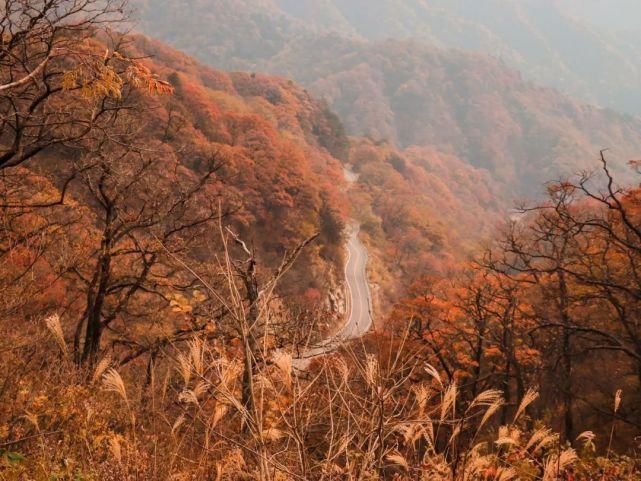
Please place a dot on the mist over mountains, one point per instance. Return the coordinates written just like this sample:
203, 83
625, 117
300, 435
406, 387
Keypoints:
436, 73
613, 15
352, 240
574, 46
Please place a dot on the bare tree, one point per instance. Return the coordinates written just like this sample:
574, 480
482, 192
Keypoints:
57, 84
146, 209
538, 254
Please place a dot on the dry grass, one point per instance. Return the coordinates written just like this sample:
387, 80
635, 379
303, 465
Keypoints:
55, 328
357, 415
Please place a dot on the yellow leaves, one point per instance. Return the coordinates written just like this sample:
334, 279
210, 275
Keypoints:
94, 81
139, 76
180, 304
106, 77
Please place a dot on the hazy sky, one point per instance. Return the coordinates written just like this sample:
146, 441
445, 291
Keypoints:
610, 14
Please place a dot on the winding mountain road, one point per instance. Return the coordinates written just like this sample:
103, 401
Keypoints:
359, 299
359, 318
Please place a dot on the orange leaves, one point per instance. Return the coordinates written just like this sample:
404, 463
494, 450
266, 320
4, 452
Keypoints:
462, 322
276, 175
140, 76
97, 77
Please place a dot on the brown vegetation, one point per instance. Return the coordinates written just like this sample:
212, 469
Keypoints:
169, 235
553, 303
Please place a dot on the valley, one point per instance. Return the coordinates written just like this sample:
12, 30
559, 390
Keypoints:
320, 240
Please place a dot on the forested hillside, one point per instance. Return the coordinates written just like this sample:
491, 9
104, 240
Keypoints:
558, 44
421, 212
408, 93
142, 198
461, 104
279, 149
207, 276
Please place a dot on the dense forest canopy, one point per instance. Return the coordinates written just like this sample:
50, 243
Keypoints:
387, 75
417, 264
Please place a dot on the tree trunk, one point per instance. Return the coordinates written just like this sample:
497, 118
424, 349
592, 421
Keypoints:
566, 360
249, 337
95, 303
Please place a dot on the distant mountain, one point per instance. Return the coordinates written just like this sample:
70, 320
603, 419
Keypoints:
228, 34
550, 42
610, 15
460, 103
555, 43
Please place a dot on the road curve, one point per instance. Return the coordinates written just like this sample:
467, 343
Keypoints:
359, 299
358, 319
359, 315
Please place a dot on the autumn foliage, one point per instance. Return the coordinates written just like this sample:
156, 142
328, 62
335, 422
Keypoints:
552, 303
172, 246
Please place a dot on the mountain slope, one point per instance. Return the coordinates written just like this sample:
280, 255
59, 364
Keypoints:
548, 41
460, 103
408, 201
405, 92
279, 179
553, 43
421, 212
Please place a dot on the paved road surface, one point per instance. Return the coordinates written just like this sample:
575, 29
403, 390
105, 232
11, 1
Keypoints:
358, 318
359, 300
